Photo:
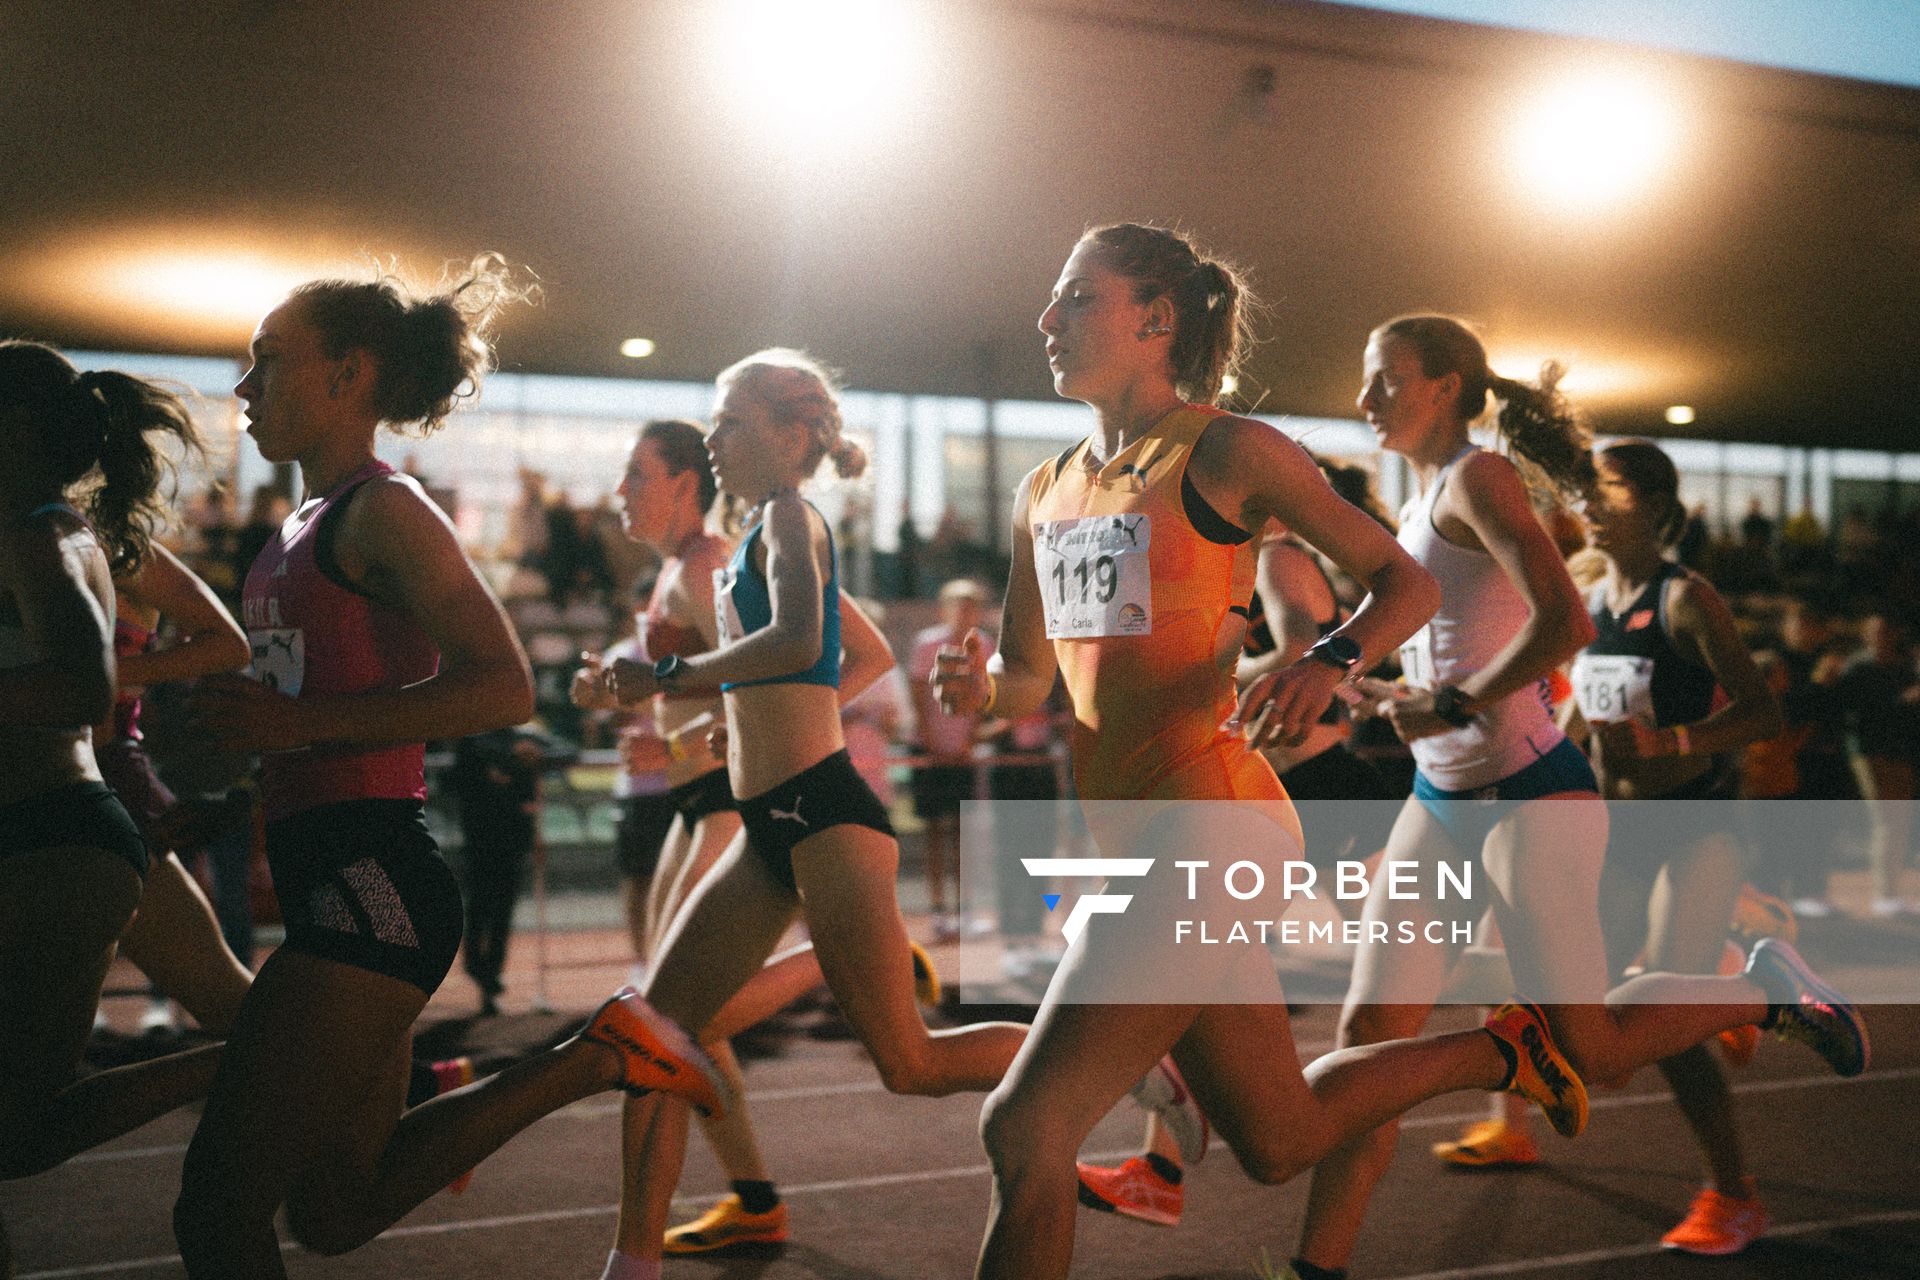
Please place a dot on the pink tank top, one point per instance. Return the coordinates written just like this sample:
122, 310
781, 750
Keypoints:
312, 635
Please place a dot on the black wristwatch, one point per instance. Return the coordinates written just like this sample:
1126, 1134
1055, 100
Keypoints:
1337, 651
1451, 705
667, 670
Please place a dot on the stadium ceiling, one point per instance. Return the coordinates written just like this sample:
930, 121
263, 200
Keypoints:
672, 172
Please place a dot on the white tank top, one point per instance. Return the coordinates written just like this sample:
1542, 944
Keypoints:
1480, 613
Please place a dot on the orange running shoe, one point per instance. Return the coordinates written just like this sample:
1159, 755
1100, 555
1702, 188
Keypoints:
1132, 1189
726, 1226
1718, 1224
1540, 1073
926, 979
656, 1053
1489, 1144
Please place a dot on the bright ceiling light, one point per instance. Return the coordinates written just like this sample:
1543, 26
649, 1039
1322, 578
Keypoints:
1593, 140
1229, 385
214, 289
1588, 377
637, 348
160, 285
826, 71
1680, 414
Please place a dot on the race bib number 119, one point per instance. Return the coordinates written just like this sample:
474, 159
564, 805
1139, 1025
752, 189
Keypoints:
1095, 578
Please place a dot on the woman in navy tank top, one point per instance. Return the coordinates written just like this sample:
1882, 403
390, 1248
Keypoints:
370, 633
1650, 689
1497, 780
71, 859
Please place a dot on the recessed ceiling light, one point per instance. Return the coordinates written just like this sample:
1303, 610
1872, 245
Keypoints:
637, 348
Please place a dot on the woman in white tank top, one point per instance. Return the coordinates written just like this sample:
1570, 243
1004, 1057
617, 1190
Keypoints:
1474, 713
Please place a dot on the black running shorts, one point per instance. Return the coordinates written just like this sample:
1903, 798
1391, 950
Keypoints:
83, 815
362, 883
827, 794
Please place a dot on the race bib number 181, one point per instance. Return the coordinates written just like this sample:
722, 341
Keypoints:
1095, 578
1613, 687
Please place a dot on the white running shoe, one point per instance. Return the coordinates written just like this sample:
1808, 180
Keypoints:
1163, 1092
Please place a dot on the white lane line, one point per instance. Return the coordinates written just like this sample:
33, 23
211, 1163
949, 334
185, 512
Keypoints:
1649, 1249
981, 1170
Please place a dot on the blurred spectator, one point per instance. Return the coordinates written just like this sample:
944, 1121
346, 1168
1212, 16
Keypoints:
1026, 830
1803, 544
1879, 690
872, 722
943, 782
496, 779
1691, 547
908, 557
1810, 661
269, 511
1756, 529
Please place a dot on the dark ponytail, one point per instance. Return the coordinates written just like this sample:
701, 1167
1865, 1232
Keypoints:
1535, 420
683, 448
100, 436
429, 352
1650, 473
1212, 306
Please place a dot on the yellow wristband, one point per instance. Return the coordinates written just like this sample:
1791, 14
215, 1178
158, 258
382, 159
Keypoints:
676, 749
993, 694
1683, 743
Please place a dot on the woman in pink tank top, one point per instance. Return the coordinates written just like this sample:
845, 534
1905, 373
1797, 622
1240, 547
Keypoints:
370, 633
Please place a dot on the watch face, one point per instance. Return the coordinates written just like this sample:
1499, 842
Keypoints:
1341, 649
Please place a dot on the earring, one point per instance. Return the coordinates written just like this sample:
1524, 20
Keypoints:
1154, 330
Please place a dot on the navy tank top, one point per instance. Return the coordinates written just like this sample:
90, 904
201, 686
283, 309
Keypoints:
744, 606
1633, 668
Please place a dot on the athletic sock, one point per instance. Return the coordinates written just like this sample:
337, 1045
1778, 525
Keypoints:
1513, 1066
624, 1266
1307, 1271
1165, 1168
756, 1197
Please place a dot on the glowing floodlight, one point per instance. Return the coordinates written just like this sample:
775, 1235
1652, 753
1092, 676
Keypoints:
637, 348
1680, 414
1229, 385
827, 70
1594, 140
214, 289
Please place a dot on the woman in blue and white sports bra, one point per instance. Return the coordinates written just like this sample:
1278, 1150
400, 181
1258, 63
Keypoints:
71, 859
1498, 782
816, 842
